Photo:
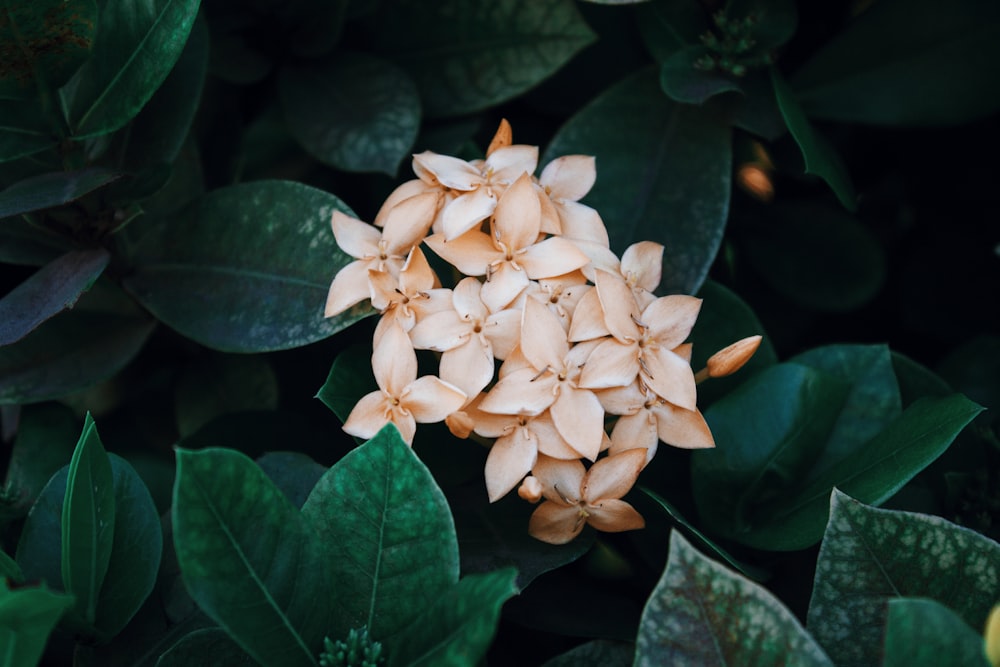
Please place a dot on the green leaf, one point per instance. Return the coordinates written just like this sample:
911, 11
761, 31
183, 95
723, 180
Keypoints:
294, 473
75, 349
23, 130
925, 633
908, 62
667, 26
247, 559
384, 527
820, 157
43, 41
683, 81
664, 176
209, 646
870, 556
458, 626
88, 521
133, 53
456, 71
349, 379
27, 617
9, 569
22, 242
216, 384
800, 252
44, 443
595, 653
52, 289
701, 613
245, 268
53, 189
353, 111
725, 318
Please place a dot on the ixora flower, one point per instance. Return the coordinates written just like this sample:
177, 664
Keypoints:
402, 398
575, 496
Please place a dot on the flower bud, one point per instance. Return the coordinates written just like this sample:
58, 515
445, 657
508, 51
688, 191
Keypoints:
530, 489
992, 637
730, 359
503, 138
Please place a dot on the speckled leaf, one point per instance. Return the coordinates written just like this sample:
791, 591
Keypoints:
245, 268
869, 556
43, 39
457, 628
820, 157
53, 189
924, 633
246, 557
663, 176
702, 614
352, 111
455, 70
27, 617
50, 290
384, 527
134, 51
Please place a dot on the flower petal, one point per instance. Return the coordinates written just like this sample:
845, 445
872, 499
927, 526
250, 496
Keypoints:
621, 312
511, 458
449, 171
613, 476
671, 318
358, 239
349, 287
582, 223
407, 223
440, 331
552, 257
404, 191
555, 524
503, 286
518, 215
510, 162
611, 364
518, 393
369, 415
670, 377
471, 253
588, 319
416, 274
468, 366
550, 442
636, 431
682, 428
468, 301
394, 363
622, 400
569, 177
561, 479
383, 289
504, 331
430, 399
615, 516
466, 211
543, 340
642, 264
579, 418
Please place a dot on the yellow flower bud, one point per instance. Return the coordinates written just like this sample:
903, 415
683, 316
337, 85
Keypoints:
732, 358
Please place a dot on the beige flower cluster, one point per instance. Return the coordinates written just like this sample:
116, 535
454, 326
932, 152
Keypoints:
578, 330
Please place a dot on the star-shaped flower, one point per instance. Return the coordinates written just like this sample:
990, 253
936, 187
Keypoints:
562, 184
575, 496
402, 398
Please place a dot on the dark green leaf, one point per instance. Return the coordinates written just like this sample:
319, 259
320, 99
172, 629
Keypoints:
725, 318
702, 614
596, 653
42, 42
74, 349
349, 379
456, 71
247, 559
925, 633
817, 256
209, 646
23, 130
27, 617
44, 443
88, 521
25, 243
245, 268
353, 111
774, 21
52, 289
133, 53
384, 527
667, 26
9, 569
54, 189
664, 176
217, 384
293, 472
457, 627
916, 380
820, 157
908, 62
683, 81
870, 556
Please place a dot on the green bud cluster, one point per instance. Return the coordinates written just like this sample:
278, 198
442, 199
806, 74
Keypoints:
358, 651
731, 46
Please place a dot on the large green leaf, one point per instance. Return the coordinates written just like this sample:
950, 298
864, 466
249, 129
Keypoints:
27, 617
502, 49
702, 614
908, 62
247, 558
925, 633
820, 157
88, 521
870, 555
52, 189
457, 627
208, 646
817, 255
74, 349
245, 268
384, 527
663, 176
52, 289
352, 111
42, 42
134, 51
